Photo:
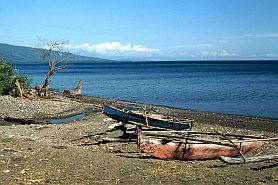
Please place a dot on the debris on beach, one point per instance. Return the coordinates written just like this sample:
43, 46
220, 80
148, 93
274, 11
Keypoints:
116, 126
76, 93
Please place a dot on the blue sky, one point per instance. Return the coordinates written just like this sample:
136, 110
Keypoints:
147, 29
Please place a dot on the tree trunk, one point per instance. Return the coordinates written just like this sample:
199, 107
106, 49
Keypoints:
44, 87
20, 89
78, 89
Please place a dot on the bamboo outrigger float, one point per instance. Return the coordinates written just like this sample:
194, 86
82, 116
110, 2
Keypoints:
194, 146
240, 160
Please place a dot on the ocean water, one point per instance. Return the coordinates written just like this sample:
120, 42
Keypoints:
231, 87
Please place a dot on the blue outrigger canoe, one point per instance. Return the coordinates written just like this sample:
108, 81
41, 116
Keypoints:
131, 117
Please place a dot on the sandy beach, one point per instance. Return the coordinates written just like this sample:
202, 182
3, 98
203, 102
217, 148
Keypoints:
60, 154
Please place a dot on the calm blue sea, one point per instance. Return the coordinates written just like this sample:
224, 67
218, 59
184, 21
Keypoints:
232, 87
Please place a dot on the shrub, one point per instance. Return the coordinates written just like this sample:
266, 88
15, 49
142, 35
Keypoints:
8, 78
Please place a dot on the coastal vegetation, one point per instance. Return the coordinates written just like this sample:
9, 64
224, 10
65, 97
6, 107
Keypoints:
9, 80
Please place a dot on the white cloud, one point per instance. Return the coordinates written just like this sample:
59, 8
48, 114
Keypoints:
271, 55
253, 35
193, 46
261, 35
25, 45
222, 53
112, 49
268, 55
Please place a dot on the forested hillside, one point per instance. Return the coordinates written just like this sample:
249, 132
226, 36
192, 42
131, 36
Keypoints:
22, 54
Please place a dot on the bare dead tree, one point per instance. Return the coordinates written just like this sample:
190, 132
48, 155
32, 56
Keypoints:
52, 52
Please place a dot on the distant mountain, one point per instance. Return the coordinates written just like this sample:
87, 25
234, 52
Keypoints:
22, 54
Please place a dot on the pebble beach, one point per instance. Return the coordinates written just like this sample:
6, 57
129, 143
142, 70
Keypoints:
63, 154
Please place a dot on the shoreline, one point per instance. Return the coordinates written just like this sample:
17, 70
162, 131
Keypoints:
195, 114
60, 154
87, 104
178, 108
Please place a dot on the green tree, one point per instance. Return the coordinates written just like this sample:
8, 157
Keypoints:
8, 79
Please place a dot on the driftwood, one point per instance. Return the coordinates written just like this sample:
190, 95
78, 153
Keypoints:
40, 90
233, 160
76, 93
20, 89
90, 135
78, 89
23, 121
108, 140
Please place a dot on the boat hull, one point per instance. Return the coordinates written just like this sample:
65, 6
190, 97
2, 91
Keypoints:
116, 114
196, 151
128, 116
